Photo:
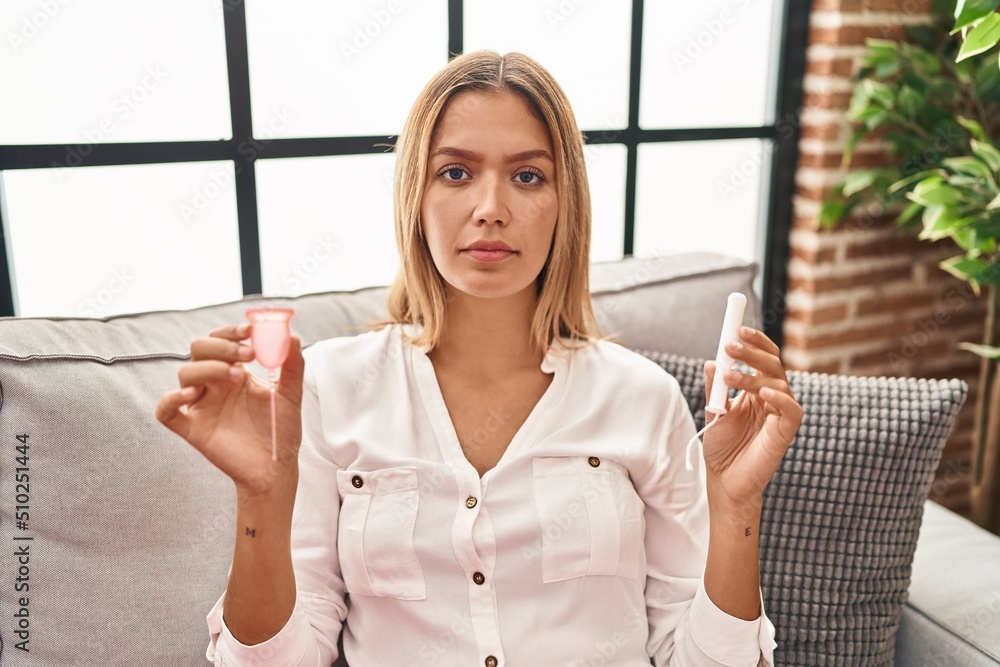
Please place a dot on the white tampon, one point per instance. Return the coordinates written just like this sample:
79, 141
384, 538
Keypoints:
723, 362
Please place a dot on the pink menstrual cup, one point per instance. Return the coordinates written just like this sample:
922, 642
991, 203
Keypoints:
271, 335
271, 338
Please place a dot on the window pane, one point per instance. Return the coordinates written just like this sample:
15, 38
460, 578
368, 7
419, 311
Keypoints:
342, 68
326, 223
99, 241
112, 71
708, 63
606, 173
701, 196
561, 36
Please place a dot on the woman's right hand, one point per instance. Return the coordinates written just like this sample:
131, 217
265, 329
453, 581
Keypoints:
225, 412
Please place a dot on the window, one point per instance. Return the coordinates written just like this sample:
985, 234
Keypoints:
254, 140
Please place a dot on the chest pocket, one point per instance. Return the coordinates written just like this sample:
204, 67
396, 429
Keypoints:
591, 518
378, 511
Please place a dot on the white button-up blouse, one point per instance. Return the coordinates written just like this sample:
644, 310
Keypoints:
585, 545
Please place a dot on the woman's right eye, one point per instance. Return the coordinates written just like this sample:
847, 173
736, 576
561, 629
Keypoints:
452, 173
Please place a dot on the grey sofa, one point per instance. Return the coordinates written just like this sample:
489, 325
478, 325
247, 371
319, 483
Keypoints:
117, 535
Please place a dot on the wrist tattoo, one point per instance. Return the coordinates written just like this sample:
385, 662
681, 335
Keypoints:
748, 532
252, 532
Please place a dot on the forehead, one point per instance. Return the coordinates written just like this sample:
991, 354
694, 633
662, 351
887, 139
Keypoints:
480, 120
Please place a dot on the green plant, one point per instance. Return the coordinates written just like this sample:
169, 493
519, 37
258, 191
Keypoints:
935, 99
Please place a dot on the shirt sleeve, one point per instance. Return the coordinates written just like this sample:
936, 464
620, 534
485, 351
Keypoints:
686, 629
309, 637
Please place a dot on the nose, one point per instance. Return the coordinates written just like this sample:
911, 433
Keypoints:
491, 202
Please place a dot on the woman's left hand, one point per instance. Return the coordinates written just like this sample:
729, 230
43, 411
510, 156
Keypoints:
743, 451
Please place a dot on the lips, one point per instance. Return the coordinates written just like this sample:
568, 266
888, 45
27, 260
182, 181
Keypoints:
489, 251
490, 246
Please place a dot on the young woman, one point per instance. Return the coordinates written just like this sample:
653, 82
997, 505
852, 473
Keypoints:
484, 480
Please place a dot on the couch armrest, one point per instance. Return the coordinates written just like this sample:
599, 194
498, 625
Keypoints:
953, 613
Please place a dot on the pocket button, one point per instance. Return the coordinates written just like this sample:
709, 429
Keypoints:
594, 461
357, 482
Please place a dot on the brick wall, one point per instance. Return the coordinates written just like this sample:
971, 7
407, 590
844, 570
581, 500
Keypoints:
865, 299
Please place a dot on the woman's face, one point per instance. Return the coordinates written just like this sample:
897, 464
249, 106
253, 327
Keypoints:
490, 205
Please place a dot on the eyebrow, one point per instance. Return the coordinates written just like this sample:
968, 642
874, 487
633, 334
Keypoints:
476, 157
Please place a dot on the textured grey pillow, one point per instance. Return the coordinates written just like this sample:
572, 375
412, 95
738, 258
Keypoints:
842, 514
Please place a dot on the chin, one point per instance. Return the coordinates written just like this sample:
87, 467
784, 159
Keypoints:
490, 286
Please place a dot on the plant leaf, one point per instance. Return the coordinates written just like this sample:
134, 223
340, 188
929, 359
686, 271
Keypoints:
973, 127
903, 182
908, 213
965, 268
987, 152
981, 38
831, 212
995, 204
967, 164
970, 11
988, 81
987, 351
857, 181
910, 101
941, 222
935, 191
881, 93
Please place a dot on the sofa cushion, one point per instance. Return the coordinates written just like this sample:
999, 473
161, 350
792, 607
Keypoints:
131, 529
842, 514
953, 614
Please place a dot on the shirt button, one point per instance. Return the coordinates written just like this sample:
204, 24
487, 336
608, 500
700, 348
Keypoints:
478, 578
357, 482
594, 461
470, 502
491, 661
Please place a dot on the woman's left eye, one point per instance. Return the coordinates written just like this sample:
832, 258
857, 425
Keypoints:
529, 178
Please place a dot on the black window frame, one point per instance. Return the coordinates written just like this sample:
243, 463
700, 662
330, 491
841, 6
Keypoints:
783, 132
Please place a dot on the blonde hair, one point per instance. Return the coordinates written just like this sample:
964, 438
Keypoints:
417, 295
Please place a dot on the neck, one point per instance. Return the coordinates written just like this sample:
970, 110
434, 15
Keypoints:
488, 337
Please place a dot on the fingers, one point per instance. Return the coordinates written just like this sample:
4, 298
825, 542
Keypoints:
169, 413
786, 408
759, 339
218, 357
759, 353
233, 332
754, 383
200, 373
225, 347
290, 380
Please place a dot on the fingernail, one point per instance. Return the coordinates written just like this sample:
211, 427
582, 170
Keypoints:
235, 372
243, 329
188, 393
